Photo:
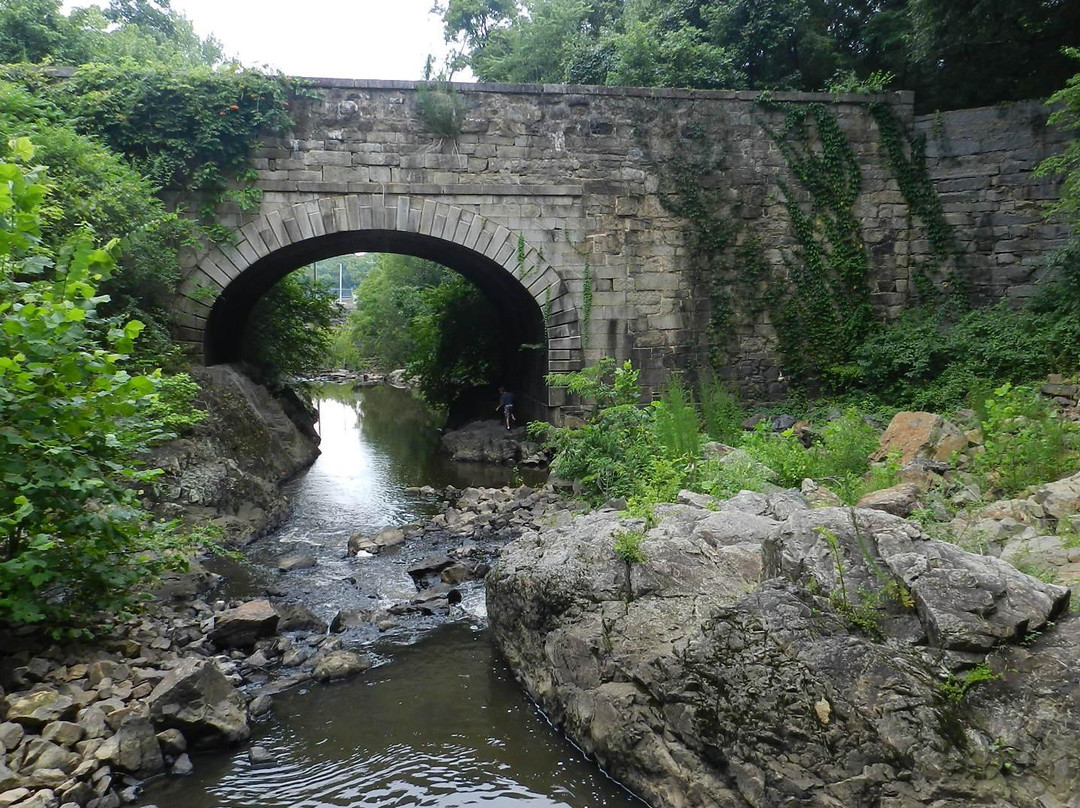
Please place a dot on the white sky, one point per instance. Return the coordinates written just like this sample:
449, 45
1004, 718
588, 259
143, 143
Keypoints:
356, 39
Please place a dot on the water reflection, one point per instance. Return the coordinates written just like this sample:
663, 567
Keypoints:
443, 725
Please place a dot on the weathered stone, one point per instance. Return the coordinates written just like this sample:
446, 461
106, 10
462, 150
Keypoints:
684, 676
64, 733
9, 781
819, 496
133, 749
172, 742
259, 754
430, 566
42, 754
921, 434
296, 562
104, 669
297, 617
182, 765
11, 796
34, 710
242, 626
198, 700
10, 734
339, 665
92, 721
387, 537
899, 500
484, 442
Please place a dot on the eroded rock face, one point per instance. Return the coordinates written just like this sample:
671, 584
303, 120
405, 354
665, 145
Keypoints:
198, 700
720, 672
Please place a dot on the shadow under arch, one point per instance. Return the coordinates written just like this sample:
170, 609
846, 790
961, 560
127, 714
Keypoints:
532, 301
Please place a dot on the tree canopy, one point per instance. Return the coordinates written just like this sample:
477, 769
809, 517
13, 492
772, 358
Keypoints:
953, 53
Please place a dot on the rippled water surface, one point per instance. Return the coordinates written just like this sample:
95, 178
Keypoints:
441, 724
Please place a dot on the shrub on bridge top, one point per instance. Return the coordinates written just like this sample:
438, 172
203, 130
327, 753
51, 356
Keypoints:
74, 538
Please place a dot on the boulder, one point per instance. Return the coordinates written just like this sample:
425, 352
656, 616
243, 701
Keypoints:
485, 442
133, 749
819, 496
242, 626
387, 537
34, 710
296, 562
899, 500
297, 617
339, 665
429, 567
921, 434
781, 659
197, 699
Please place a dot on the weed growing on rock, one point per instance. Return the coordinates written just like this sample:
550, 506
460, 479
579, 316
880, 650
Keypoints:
954, 688
628, 546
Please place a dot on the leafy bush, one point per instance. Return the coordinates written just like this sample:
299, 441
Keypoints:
1026, 442
721, 412
628, 546
74, 538
675, 423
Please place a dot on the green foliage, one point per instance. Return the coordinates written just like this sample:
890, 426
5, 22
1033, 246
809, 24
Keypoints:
457, 339
288, 333
440, 108
955, 688
606, 384
628, 546
930, 360
74, 538
173, 407
826, 314
1026, 441
676, 426
192, 130
721, 411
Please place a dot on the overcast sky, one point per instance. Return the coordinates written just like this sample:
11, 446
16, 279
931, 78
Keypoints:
356, 39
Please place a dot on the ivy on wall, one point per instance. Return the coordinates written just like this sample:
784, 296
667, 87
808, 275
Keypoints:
941, 276
825, 314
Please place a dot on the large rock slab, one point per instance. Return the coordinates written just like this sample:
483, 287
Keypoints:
921, 435
34, 710
198, 700
242, 626
700, 685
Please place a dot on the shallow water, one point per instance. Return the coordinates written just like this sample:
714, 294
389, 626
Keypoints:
441, 724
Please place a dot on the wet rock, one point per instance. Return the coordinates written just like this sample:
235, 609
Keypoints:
457, 573
297, 617
296, 562
34, 710
339, 665
182, 765
198, 700
351, 618
133, 749
429, 567
242, 626
260, 706
388, 537
259, 754
195, 581
899, 500
485, 442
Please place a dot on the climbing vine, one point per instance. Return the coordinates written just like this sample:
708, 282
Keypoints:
586, 303
906, 157
826, 313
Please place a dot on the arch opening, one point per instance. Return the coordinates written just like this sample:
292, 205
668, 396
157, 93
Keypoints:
520, 318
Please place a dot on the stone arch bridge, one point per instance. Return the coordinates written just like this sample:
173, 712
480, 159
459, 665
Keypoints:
550, 200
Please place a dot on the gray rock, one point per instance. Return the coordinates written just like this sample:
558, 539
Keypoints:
260, 706
258, 754
172, 742
64, 733
182, 765
34, 710
103, 669
387, 537
297, 617
339, 665
198, 700
430, 567
10, 734
133, 749
8, 780
242, 626
296, 562
899, 500
45, 798
485, 442
697, 684
12, 795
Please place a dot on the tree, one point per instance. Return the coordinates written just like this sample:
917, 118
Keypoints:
74, 538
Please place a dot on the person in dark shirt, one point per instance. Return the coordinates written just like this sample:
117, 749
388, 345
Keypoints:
506, 404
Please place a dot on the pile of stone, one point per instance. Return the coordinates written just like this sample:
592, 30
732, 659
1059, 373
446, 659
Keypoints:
765, 652
83, 725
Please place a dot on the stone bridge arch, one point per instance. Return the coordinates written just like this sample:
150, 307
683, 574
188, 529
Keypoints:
533, 301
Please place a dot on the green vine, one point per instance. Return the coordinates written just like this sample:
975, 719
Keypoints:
906, 157
823, 319
586, 304
546, 311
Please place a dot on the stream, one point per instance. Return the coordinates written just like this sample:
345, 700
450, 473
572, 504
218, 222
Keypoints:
440, 723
